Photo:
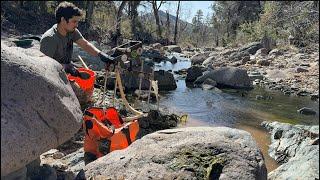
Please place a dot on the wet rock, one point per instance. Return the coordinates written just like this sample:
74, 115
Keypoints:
165, 80
155, 121
303, 93
307, 111
185, 153
193, 73
261, 97
292, 147
314, 96
173, 60
34, 117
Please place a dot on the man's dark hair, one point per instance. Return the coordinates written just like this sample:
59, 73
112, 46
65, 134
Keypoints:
67, 10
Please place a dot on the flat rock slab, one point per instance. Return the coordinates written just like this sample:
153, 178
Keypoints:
185, 153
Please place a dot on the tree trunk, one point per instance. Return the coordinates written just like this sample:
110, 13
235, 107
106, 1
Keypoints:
89, 14
156, 15
168, 28
118, 25
133, 16
176, 25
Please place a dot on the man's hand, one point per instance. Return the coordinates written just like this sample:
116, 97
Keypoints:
72, 70
106, 58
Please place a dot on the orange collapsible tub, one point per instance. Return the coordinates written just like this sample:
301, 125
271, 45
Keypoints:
86, 84
95, 120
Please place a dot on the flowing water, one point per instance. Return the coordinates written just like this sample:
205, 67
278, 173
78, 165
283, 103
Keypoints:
234, 108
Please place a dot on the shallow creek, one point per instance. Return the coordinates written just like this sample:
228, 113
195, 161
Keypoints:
234, 108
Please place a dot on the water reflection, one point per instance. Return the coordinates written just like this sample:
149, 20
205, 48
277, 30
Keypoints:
235, 108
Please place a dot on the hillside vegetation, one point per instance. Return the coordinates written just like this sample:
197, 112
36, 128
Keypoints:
232, 23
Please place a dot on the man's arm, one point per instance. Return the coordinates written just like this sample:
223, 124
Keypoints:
88, 47
92, 50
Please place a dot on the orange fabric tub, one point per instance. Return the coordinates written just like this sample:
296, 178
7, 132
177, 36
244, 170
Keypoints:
95, 130
86, 85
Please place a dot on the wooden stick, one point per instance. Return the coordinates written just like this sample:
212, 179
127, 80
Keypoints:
119, 83
84, 64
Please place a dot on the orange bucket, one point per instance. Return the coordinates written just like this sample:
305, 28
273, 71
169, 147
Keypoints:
86, 84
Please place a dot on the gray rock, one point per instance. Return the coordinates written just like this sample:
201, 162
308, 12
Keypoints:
208, 61
296, 148
156, 45
131, 80
263, 62
165, 80
251, 48
173, 60
173, 48
185, 153
314, 96
193, 73
39, 109
275, 52
210, 82
303, 93
307, 111
227, 76
153, 54
261, 52
237, 56
255, 76
301, 69
199, 58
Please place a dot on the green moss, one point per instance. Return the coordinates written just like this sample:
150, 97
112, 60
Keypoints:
204, 163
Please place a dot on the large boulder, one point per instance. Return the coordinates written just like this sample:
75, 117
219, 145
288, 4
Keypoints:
296, 147
39, 109
185, 153
131, 79
193, 73
199, 58
166, 81
228, 77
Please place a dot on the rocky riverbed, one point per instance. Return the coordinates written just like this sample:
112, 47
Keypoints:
290, 70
